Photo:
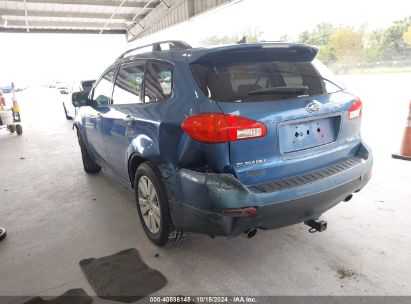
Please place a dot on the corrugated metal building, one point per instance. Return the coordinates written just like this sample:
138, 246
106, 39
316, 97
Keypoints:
134, 18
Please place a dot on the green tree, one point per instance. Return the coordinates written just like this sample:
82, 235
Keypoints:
347, 44
393, 43
216, 40
304, 37
393, 35
406, 37
319, 36
326, 54
252, 34
373, 46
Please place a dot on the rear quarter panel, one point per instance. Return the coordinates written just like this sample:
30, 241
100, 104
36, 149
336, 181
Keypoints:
157, 136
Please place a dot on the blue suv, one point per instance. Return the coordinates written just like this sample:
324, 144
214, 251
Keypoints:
224, 140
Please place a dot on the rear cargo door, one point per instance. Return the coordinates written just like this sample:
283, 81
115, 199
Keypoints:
282, 89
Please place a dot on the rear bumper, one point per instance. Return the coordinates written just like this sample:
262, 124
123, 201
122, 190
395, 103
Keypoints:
197, 200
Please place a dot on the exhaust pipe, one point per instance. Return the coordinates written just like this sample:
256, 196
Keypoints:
316, 225
348, 198
250, 233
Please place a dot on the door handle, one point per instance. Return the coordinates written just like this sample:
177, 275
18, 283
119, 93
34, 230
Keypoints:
129, 119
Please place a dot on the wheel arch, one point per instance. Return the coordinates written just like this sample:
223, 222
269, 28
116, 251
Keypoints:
134, 161
81, 132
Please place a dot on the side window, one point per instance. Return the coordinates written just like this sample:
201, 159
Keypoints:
102, 92
158, 81
128, 84
86, 86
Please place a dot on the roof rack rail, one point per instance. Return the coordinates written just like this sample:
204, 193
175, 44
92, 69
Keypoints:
174, 45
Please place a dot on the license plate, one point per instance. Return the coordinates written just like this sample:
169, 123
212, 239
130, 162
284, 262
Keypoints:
305, 135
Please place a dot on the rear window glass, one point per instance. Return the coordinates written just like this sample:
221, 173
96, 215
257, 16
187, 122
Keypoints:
258, 78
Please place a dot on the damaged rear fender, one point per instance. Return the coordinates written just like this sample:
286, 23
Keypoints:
209, 191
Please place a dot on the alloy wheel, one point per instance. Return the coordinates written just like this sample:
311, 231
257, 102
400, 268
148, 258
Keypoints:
149, 204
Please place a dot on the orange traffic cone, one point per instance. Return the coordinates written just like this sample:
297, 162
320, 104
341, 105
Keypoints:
405, 151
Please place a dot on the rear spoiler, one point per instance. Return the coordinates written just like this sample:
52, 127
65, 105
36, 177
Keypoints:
283, 51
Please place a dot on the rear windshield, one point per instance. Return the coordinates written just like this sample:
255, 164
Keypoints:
252, 77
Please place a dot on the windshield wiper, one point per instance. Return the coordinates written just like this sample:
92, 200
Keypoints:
297, 90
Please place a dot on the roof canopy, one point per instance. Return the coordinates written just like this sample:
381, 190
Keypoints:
134, 18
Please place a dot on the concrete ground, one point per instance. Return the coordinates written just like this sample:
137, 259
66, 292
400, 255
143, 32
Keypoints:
56, 215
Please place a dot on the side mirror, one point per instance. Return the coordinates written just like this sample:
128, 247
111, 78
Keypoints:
79, 99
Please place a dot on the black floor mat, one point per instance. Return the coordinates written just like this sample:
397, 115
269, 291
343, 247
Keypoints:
122, 276
72, 296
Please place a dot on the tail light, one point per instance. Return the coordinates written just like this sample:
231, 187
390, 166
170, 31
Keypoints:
356, 109
219, 128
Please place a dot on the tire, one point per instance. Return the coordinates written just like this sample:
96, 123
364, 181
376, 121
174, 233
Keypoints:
3, 234
19, 129
162, 233
12, 128
68, 117
90, 166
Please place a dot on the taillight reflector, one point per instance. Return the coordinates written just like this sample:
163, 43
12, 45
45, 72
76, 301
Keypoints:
219, 128
355, 110
240, 212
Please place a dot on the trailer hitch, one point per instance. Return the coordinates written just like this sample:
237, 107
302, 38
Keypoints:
316, 225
